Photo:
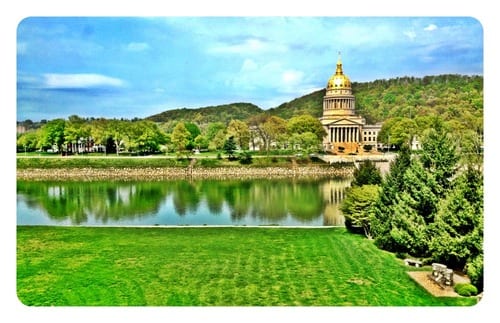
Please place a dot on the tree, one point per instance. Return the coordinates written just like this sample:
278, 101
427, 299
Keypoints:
240, 132
145, 137
357, 207
217, 143
382, 220
213, 129
397, 131
201, 142
439, 154
230, 147
306, 141
75, 130
366, 174
52, 134
306, 123
117, 130
27, 141
180, 137
274, 128
457, 232
194, 131
255, 124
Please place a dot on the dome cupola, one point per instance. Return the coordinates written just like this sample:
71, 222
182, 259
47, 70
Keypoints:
338, 80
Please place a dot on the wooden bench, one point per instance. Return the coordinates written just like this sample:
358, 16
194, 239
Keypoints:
413, 262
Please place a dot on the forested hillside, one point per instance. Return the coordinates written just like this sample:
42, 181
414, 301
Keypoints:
449, 96
456, 98
221, 113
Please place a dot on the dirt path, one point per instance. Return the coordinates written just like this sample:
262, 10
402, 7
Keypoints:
422, 278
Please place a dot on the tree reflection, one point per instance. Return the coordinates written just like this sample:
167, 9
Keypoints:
262, 201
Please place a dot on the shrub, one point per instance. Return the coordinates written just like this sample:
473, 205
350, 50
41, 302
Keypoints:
245, 158
474, 270
401, 255
466, 289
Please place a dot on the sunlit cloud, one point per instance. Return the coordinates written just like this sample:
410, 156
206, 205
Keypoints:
431, 27
248, 46
410, 34
80, 81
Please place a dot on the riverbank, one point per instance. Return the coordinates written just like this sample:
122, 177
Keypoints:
161, 168
166, 173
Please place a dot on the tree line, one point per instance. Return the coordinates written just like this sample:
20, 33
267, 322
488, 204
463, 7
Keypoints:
429, 205
260, 132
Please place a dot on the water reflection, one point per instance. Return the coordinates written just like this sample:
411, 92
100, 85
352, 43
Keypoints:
247, 202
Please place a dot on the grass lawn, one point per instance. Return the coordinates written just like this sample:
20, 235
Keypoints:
211, 266
92, 161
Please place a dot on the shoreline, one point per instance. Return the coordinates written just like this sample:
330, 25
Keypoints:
171, 173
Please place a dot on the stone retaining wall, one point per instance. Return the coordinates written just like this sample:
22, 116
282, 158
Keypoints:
95, 174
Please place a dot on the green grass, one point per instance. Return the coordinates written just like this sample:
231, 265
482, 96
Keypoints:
97, 162
54, 162
210, 266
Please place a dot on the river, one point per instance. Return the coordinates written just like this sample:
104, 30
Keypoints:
280, 202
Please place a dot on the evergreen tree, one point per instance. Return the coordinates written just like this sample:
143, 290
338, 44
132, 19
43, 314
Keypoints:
366, 174
230, 147
457, 233
382, 218
439, 154
422, 190
408, 229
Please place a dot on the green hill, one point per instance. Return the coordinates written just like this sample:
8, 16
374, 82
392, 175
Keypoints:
457, 98
308, 104
450, 96
221, 113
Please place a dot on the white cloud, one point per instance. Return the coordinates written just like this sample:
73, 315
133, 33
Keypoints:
291, 76
80, 81
431, 27
137, 47
410, 34
248, 46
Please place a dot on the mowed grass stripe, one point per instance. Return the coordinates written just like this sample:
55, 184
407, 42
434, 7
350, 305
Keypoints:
210, 266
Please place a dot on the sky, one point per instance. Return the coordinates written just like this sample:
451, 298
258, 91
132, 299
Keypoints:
127, 67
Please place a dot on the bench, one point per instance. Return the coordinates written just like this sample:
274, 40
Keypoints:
413, 262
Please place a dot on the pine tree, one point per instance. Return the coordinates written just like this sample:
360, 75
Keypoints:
366, 174
382, 217
439, 155
230, 147
457, 233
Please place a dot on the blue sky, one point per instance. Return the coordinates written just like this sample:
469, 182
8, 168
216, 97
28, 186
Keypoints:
138, 66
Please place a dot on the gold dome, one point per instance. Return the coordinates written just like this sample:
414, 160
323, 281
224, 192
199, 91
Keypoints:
339, 80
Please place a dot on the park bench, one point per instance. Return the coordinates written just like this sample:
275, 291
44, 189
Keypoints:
413, 262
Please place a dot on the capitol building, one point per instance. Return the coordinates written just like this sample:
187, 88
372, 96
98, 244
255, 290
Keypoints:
346, 132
